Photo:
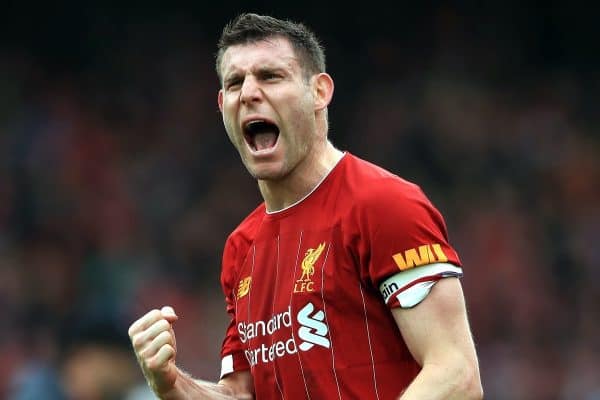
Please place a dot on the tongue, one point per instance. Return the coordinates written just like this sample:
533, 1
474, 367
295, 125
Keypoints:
264, 140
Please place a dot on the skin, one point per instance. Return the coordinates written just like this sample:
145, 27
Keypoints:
438, 336
264, 80
155, 347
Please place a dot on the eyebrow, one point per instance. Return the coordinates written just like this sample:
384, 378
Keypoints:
265, 69
232, 77
258, 71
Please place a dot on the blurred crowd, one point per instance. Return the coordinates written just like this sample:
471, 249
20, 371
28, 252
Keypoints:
118, 187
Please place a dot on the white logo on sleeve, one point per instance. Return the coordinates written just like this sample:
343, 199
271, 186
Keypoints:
313, 330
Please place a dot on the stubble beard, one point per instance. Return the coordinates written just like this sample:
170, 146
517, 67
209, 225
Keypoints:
270, 173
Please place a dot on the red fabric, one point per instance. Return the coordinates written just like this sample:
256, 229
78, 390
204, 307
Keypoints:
318, 327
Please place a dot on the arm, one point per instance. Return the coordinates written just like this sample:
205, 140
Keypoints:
237, 385
437, 334
153, 341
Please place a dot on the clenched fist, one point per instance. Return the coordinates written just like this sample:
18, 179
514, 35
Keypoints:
153, 341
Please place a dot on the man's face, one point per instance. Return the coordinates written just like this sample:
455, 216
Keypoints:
268, 107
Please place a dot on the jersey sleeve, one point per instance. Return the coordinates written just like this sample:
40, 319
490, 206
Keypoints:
408, 248
232, 351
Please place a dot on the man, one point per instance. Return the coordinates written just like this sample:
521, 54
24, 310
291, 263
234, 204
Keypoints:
342, 284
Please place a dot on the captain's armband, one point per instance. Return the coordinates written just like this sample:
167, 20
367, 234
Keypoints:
408, 288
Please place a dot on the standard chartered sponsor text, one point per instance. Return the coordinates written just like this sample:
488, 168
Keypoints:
262, 328
265, 353
259, 328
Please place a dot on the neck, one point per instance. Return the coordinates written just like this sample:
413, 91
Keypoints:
302, 180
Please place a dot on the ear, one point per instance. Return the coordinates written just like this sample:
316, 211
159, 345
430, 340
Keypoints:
323, 89
220, 100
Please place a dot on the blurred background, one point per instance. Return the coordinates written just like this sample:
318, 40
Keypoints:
118, 185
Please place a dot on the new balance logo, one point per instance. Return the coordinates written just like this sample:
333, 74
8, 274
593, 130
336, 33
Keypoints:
313, 330
244, 287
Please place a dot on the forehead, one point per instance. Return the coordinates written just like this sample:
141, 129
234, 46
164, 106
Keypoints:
275, 51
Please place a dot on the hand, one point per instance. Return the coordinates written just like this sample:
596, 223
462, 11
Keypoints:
153, 341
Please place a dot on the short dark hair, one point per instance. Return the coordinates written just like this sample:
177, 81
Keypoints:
250, 28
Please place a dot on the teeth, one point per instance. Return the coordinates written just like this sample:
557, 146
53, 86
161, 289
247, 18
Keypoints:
256, 121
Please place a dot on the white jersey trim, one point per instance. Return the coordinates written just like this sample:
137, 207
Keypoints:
410, 287
290, 305
273, 313
312, 191
369, 341
226, 365
327, 321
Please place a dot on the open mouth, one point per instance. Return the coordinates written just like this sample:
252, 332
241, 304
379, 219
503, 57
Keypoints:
261, 134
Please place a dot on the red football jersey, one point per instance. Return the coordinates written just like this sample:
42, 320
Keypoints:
309, 292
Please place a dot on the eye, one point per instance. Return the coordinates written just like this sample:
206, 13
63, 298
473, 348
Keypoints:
233, 83
270, 76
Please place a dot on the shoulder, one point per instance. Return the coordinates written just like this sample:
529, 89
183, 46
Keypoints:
378, 188
237, 245
244, 233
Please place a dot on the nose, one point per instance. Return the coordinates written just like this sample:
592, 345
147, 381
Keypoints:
251, 91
